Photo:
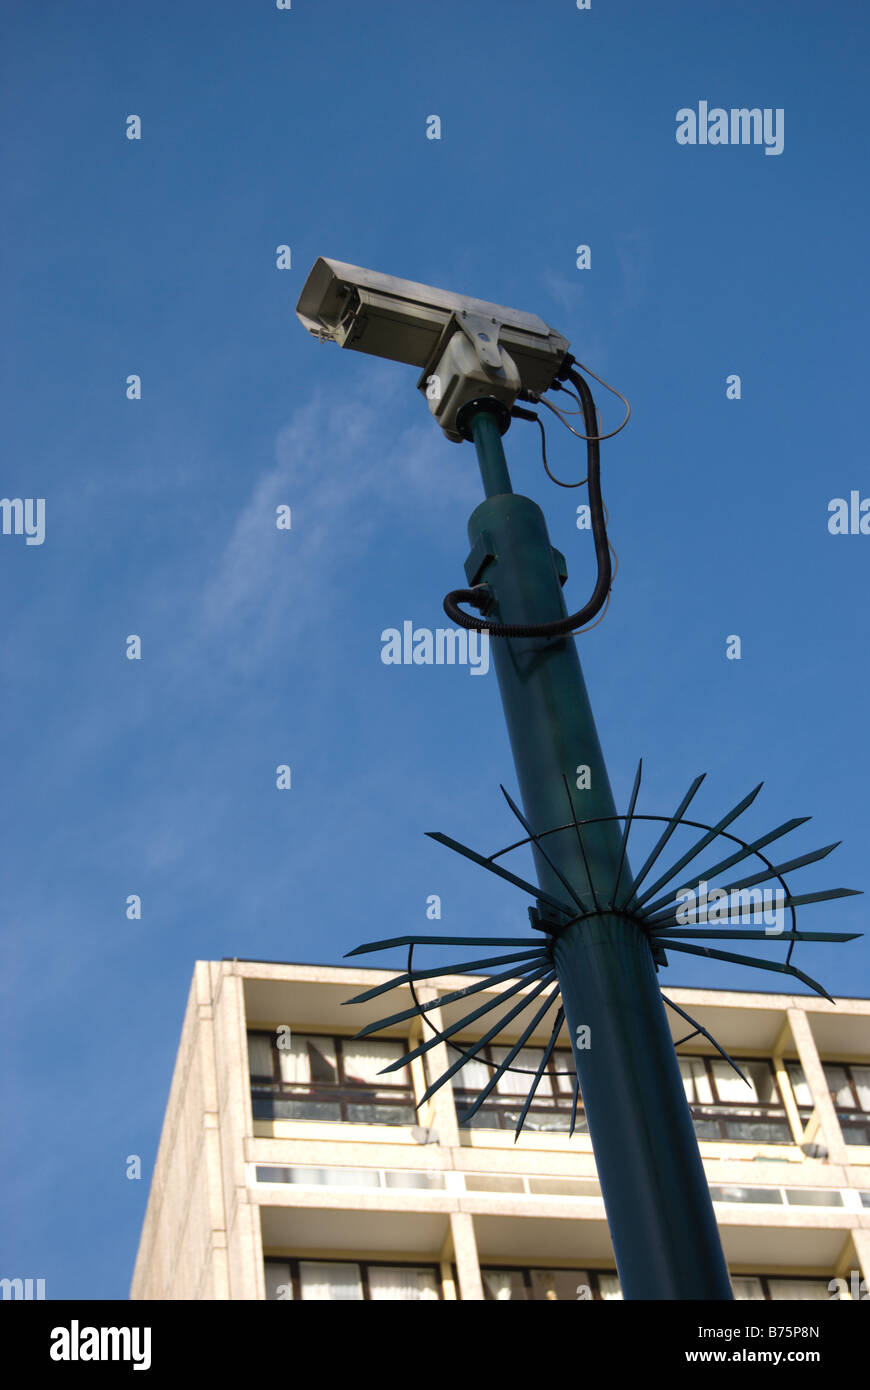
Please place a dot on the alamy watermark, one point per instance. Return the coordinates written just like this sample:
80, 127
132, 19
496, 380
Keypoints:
77, 1343
22, 1288
24, 516
446, 646
761, 906
742, 125
849, 517
857, 1289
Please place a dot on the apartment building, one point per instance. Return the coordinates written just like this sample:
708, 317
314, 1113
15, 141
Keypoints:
289, 1168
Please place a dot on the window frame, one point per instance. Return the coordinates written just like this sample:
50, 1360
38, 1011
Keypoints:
526, 1271
560, 1102
850, 1118
710, 1111
362, 1265
764, 1279
344, 1093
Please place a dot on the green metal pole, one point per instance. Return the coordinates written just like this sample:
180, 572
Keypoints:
655, 1192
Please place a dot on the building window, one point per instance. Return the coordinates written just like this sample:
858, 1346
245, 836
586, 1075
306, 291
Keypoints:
547, 1285
305, 1176
351, 1280
723, 1107
774, 1196
761, 1286
317, 1077
850, 1091
550, 1111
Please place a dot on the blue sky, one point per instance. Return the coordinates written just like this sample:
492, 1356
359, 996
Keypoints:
260, 647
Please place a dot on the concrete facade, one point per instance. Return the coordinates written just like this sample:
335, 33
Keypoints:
215, 1227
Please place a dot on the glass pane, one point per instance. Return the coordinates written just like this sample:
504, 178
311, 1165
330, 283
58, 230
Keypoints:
608, 1286
734, 1089
812, 1197
769, 1196
282, 1108
802, 1093
501, 1284
729, 1085
695, 1082
364, 1060
326, 1281
541, 1121
335, 1177
565, 1187
268, 1174
484, 1119
706, 1129
414, 1180
749, 1130
552, 1285
839, 1083
747, 1287
813, 1289
472, 1076
493, 1182
381, 1114
402, 1282
512, 1084
561, 1061
278, 1282
260, 1054
308, 1060
861, 1078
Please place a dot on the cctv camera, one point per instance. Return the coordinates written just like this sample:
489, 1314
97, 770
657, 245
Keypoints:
467, 348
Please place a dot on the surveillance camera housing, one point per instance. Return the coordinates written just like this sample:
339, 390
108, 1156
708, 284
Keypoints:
466, 347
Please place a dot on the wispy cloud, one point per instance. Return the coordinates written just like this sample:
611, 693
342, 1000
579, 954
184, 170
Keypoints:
344, 478
566, 292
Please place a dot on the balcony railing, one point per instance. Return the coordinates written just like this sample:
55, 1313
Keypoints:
357, 1105
327, 1078
550, 1112
734, 1124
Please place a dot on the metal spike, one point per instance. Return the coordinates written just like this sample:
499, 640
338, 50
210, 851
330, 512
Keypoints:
454, 968
627, 827
671, 933
709, 1036
464, 1022
581, 845
417, 1009
662, 841
779, 967
744, 852
530, 832
487, 1037
574, 1105
700, 845
502, 873
752, 880
548, 1052
506, 1061
779, 870
825, 896
666, 919
438, 941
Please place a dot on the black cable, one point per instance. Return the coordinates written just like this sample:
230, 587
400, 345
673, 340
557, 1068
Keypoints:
550, 474
481, 595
